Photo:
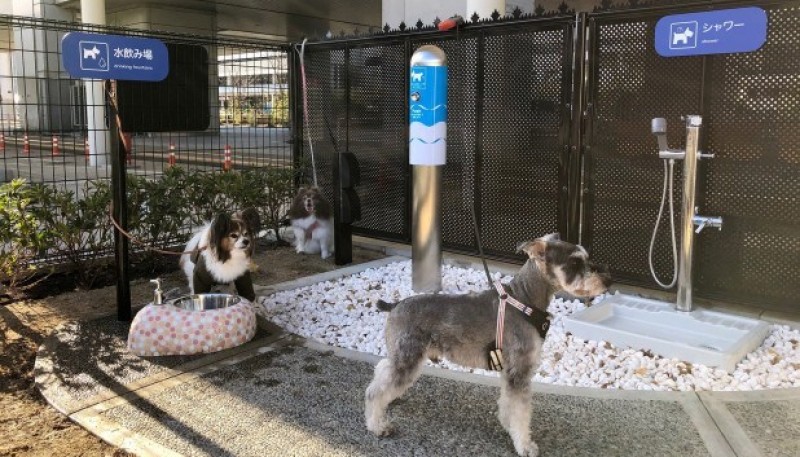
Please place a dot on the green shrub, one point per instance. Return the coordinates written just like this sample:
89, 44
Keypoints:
267, 189
38, 221
24, 237
81, 230
158, 211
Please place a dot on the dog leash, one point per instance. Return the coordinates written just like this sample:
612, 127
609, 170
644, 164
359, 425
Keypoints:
142, 243
307, 126
126, 146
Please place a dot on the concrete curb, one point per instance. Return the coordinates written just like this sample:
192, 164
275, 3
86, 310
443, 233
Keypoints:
326, 276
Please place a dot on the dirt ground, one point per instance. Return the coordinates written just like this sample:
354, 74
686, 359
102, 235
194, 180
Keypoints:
28, 425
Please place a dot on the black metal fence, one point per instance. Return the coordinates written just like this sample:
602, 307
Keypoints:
541, 139
52, 132
505, 140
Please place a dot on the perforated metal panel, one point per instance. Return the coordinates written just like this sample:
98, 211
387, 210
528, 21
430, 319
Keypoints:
632, 85
754, 180
749, 103
503, 135
377, 125
510, 131
327, 127
524, 76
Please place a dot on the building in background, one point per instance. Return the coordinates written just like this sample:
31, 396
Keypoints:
410, 11
37, 96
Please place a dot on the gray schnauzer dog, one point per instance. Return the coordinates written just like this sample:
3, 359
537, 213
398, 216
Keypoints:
462, 329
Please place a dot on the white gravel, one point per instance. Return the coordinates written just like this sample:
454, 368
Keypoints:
342, 313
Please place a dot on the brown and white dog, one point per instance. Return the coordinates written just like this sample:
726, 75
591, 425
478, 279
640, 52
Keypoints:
221, 253
312, 222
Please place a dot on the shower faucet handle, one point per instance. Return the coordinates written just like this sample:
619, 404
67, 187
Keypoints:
700, 155
659, 128
658, 125
707, 221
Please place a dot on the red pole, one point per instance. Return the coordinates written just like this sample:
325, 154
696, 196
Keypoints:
26, 145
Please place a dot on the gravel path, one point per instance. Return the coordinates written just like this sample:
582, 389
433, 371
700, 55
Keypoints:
341, 313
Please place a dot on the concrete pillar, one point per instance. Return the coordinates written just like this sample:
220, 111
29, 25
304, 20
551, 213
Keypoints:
485, 8
7, 118
94, 12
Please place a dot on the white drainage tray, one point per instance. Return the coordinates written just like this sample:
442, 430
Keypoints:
710, 338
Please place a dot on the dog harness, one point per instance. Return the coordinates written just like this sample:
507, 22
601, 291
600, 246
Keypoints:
311, 228
538, 318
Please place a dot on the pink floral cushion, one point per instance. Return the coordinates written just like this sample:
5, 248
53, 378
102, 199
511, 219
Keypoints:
168, 330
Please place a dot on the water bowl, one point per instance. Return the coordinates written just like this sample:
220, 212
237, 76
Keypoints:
192, 324
205, 302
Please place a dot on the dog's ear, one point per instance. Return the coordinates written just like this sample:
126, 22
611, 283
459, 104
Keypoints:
219, 230
552, 237
252, 220
322, 207
535, 249
298, 208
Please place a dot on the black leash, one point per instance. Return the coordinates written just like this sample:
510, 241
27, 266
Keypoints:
480, 244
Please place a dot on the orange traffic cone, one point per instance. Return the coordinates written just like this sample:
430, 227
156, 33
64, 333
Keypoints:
87, 152
128, 147
171, 160
227, 165
2, 142
56, 149
26, 145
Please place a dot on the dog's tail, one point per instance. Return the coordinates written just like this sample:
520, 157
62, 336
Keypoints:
385, 306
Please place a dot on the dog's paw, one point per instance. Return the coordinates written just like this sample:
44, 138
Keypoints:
300, 250
381, 430
326, 255
531, 450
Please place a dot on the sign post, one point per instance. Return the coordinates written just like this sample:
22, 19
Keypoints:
114, 57
427, 153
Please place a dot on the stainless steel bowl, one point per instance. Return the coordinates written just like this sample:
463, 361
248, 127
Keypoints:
205, 302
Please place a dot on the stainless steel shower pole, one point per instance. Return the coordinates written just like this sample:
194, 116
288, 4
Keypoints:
684, 302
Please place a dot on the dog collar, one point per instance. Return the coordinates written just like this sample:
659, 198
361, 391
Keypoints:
538, 318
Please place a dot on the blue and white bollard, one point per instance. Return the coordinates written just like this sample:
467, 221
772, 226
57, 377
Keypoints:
427, 153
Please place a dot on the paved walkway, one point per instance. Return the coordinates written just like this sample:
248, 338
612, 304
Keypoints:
281, 395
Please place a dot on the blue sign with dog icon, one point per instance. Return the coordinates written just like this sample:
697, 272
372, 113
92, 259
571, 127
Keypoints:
96, 56
428, 115
711, 32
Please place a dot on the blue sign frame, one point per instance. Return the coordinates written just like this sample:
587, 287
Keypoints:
96, 56
711, 32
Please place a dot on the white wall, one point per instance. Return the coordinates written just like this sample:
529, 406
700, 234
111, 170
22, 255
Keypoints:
410, 11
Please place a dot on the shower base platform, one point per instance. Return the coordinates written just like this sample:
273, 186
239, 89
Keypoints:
711, 338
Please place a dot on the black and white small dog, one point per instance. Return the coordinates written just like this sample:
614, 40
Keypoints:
312, 221
462, 328
221, 253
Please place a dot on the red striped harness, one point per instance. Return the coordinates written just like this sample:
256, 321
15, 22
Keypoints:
539, 319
